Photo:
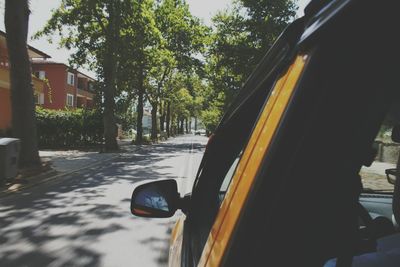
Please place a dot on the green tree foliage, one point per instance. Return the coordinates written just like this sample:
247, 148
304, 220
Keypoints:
197, 88
182, 39
182, 101
134, 45
163, 65
156, 50
69, 128
141, 39
183, 33
92, 28
265, 21
212, 109
125, 112
241, 37
211, 117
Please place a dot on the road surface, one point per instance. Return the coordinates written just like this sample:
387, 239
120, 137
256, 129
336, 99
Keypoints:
84, 219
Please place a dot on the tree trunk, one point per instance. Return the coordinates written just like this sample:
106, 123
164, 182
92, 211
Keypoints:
162, 116
182, 130
187, 125
22, 99
154, 130
110, 75
173, 127
139, 121
176, 127
168, 119
172, 131
110, 126
195, 124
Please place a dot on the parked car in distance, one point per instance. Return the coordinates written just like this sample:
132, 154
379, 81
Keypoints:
200, 132
281, 181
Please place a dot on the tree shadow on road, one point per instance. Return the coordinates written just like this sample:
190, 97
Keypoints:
84, 220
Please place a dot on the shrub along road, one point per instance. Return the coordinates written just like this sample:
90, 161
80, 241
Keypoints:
84, 219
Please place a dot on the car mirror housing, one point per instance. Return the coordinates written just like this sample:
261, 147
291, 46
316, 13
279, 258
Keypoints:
158, 199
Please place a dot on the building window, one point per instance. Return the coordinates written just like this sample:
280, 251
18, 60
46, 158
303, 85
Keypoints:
81, 84
70, 100
40, 74
71, 79
90, 85
39, 98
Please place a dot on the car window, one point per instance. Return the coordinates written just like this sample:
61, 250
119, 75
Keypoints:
222, 156
383, 158
218, 166
228, 178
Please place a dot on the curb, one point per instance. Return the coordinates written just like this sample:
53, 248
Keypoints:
7, 192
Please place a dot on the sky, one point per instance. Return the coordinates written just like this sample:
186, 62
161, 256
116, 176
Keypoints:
41, 12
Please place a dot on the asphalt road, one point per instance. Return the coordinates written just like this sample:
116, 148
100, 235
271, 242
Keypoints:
84, 219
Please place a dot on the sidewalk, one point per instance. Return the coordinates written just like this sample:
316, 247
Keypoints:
62, 163
70, 160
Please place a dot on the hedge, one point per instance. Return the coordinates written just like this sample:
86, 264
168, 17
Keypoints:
69, 128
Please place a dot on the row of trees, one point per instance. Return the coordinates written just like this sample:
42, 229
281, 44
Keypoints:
154, 51
157, 51
241, 36
142, 50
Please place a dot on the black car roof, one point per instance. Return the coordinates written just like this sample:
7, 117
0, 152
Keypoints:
320, 13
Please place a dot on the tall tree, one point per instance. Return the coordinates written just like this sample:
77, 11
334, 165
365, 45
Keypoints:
92, 27
241, 36
141, 37
265, 21
183, 39
16, 21
182, 102
163, 63
183, 33
109, 64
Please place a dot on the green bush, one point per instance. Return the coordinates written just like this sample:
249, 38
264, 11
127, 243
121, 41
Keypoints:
147, 140
69, 128
127, 120
163, 136
211, 118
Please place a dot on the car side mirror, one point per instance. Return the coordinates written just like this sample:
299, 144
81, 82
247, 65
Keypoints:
158, 199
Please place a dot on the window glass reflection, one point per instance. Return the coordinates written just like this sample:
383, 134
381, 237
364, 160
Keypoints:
151, 198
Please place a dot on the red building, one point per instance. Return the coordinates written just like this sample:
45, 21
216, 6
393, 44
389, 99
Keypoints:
85, 91
66, 87
5, 93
